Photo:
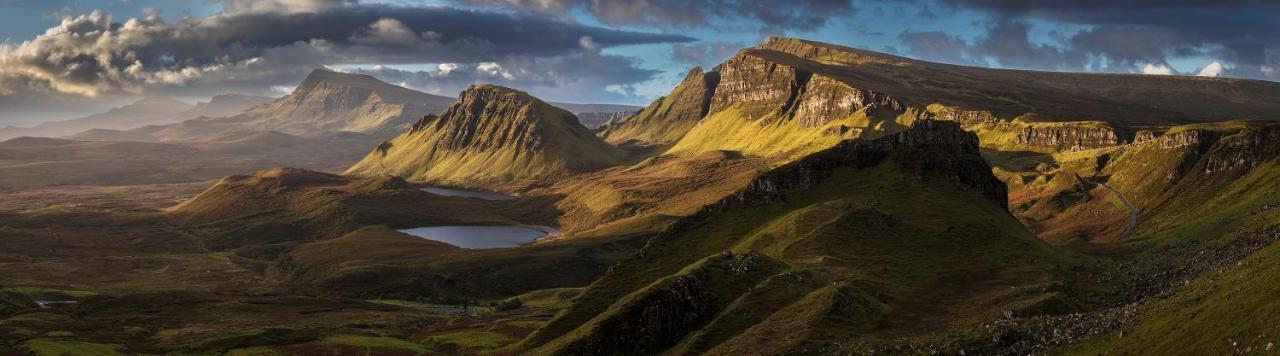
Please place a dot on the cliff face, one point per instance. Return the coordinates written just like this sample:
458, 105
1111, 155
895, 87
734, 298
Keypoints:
491, 135
667, 119
756, 85
1245, 150
1067, 137
1018, 134
776, 104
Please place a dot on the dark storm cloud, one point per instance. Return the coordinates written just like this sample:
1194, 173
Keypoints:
936, 46
1008, 43
1125, 33
91, 54
762, 15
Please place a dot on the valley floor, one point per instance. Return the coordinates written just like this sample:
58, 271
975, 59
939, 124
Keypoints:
98, 270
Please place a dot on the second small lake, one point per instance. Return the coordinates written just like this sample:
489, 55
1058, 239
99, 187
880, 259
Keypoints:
478, 237
467, 193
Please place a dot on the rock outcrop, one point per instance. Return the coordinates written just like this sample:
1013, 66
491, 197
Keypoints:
1244, 150
1067, 137
490, 136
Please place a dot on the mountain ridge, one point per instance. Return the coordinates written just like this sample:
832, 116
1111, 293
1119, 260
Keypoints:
815, 94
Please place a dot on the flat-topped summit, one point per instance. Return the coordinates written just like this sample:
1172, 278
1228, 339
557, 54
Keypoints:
491, 135
329, 101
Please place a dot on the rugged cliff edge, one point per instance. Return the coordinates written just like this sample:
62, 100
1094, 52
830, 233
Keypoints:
787, 97
491, 136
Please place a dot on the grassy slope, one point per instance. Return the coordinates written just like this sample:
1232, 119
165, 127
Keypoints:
667, 119
1228, 309
774, 136
927, 226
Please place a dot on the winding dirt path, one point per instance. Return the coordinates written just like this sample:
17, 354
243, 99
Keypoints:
1133, 212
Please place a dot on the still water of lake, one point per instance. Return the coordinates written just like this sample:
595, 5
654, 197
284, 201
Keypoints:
467, 193
479, 237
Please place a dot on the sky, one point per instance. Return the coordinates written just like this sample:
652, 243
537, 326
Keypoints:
61, 58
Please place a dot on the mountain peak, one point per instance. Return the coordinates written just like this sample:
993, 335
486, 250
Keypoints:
497, 92
321, 76
491, 136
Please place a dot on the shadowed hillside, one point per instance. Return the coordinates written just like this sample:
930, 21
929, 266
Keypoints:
831, 252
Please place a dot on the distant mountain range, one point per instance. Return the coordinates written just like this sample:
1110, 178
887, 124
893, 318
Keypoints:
325, 102
148, 111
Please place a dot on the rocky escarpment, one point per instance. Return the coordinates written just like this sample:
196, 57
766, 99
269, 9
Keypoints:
1245, 150
965, 117
1020, 134
778, 105
823, 99
667, 119
928, 150
757, 85
1067, 137
491, 136
1146, 135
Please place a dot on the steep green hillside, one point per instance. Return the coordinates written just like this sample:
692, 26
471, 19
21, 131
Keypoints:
1212, 277
491, 136
866, 242
667, 119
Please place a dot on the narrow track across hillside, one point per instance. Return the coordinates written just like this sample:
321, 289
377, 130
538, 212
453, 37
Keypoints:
1133, 212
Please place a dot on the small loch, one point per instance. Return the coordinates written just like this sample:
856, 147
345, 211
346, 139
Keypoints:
482, 236
452, 192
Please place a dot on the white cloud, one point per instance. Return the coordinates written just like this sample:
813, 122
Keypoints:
588, 44
1157, 69
494, 69
1212, 70
445, 68
387, 31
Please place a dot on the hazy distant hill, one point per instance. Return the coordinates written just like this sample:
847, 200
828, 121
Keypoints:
153, 110
224, 105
